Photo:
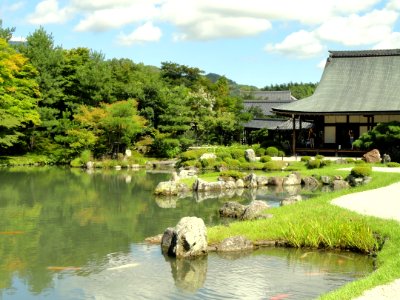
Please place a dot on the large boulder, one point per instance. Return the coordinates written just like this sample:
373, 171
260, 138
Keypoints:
236, 243
292, 179
170, 188
250, 180
339, 184
205, 186
262, 180
240, 184
187, 239
250, 155
187, 173
232, 209
310, 182
372, 156
276, 181
326, 179
255, 210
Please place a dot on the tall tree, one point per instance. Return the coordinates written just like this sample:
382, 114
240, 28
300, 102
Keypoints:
19, 95
6, 33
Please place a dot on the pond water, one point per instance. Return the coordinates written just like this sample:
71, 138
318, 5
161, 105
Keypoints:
67, 234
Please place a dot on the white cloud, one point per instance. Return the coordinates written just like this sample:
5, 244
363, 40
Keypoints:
145, 33
301, 44
91, 5
106, 19
391, 42
357, 30
47, 11
321, 64
19, 39
394, 4
15, 6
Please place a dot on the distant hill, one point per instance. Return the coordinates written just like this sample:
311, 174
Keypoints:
235, 87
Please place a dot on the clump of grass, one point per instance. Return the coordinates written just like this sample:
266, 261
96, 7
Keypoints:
361, 170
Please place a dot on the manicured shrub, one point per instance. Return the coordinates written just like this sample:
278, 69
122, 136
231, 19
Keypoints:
314, 164
319, 156
191, 154
252, 166
224, 155
265, 158
85, 156
393, 164
232, 174
281, 153
305, 158
325, 162
189, 163
274, 165
361, 171
232, 163
237, 153
76, 163
242, 160
360, 162
272, 151
260, 152
350, 160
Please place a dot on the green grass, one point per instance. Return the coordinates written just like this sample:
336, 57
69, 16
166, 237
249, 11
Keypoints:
316, 223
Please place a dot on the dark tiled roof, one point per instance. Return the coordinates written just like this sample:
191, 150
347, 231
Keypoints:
265, 100
354, 82
274, 124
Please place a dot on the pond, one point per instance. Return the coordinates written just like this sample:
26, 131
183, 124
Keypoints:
68, 234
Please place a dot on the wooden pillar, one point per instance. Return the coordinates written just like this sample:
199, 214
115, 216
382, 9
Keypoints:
294, 136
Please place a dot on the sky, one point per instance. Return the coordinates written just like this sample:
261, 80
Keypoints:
253, 42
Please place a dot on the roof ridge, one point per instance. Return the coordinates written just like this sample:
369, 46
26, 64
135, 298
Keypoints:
364, 53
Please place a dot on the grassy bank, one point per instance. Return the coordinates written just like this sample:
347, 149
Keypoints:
316, 223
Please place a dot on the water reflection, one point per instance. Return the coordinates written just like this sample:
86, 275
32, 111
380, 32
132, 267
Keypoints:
68, 234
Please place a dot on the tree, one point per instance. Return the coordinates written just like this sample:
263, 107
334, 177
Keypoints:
6, 33
19, 95
385, 137
176, 74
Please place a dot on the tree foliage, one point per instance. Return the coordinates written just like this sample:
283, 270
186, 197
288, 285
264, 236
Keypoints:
298, 90
19, 95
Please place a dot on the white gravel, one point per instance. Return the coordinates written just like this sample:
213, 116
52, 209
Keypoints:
384, 203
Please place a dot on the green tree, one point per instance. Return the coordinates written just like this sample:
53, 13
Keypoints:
6, 33
19, 95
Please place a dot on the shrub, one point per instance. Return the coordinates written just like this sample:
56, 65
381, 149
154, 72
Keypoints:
208, 164
232, 174
306, 158
272, 151
393, 164
350, 160
265, 158
76, 163
325, 162
85, 156
191, 154
189, 163
361, 171
274, 165
167, 147
281, 153
260, 152
360, 162
314, 164
237, 153
232, 163
252, 166
242, 160
319, 156
224, 155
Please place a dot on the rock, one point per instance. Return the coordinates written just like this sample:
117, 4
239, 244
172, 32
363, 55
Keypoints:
255, 210
168, 241
191, 237
229, 185
208, 156
170, 188
262, 180
372, 156
205, 186
367, 179
154, 239
250, 180
250, 155
291, 200
189, 274
232, 209
339, 184
174, 176
128, 153
292, 179
117, 167
239, 184
310, 182
277, 181
236, 243
90, 165
135, 166
184, 173
326, 179
386, 158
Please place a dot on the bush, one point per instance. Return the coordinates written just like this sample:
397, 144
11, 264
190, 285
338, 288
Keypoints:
191, 154
361, 171
306, 158
274, 165
265, 158
319, 156
314, 164
224, 155
232, 163
237, 153
360, 162
281, 153
325, 162
231, 174
76, 163
393, 164
350, 160
272, 151
252, 166
260, 152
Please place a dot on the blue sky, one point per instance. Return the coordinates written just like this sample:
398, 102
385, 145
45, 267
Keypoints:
255, 42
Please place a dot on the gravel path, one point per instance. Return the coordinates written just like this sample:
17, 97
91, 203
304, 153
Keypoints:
384, 203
